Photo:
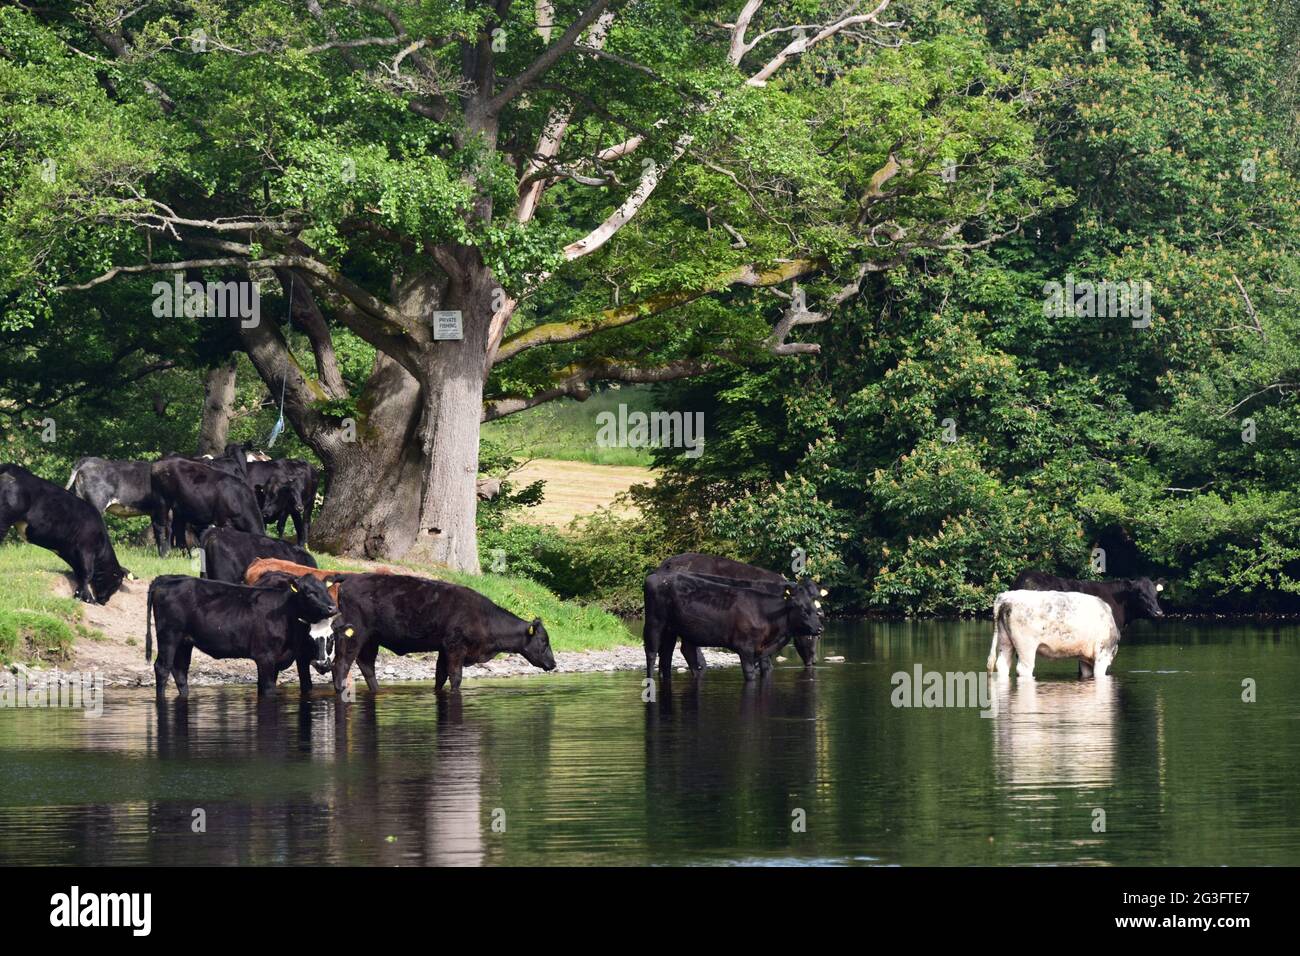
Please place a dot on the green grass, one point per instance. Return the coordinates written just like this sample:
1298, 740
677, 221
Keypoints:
571, 626
566, 430
35, 625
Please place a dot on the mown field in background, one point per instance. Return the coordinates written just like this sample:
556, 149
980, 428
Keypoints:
37, 626
566, 430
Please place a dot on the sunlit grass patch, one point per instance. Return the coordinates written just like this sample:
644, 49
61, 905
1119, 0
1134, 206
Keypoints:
567, 430
571, 626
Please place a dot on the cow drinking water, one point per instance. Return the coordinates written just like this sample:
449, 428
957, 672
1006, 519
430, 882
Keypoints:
409, 615
805, 644
754, 619
273, 626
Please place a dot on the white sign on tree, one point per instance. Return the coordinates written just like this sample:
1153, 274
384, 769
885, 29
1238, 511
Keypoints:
447, 326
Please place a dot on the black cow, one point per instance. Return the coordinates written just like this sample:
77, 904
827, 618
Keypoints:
201, 496
407, 615
729, 568
54, 518
121, 488
227, 553
286, 488
271, 625
232, 461
754, 618
1128, 598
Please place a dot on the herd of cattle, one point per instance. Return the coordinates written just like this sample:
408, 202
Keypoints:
264, 599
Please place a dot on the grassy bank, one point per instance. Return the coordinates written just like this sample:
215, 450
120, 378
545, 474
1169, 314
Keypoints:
571, 626
35, 625
38, 626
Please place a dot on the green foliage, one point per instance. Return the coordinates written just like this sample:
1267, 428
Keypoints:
1067, 432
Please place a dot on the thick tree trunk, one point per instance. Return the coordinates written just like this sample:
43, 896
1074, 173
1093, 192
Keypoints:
218, 406
407, 488
372, 508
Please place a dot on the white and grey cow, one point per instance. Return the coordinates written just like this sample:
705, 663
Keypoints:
1055, 624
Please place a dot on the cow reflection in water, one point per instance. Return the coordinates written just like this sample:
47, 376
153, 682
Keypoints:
1055, 733
433, 805
698, 745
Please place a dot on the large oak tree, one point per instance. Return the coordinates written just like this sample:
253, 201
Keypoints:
605, 190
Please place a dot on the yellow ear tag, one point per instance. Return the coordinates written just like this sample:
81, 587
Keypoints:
348, 632
532, 629
825, 592
293, 587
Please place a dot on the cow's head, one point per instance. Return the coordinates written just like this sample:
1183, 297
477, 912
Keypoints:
803, 607
806, 591
279, 497
312, 599
537, 645
106, 583
329, 646
1144, 598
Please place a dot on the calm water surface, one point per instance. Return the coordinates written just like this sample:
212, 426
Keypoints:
577, 770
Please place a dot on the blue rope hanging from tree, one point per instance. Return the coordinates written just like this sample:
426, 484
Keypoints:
279, 423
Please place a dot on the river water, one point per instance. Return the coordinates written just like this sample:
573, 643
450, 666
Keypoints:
1162, 763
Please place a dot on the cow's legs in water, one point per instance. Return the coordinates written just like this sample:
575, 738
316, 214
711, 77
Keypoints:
1025, 655
441, 674
366, 664
1102, 665
266, 674
1085, 669
304, 674
667, 641
454, 667
162, 664
748, 665
765, 664
694, 658
181, 668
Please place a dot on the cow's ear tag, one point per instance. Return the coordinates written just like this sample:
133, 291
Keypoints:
825, 592
348, 632
532, 629
787, 594
1160, 587
293, 587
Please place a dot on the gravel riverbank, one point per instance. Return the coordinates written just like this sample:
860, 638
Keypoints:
95, 660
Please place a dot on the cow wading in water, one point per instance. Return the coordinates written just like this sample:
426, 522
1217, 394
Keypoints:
55, 519
1129, 599
275, 626
410, 615
805, 644
1052, 624
754, 618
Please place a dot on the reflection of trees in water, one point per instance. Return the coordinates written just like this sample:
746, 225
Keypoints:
726, 763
